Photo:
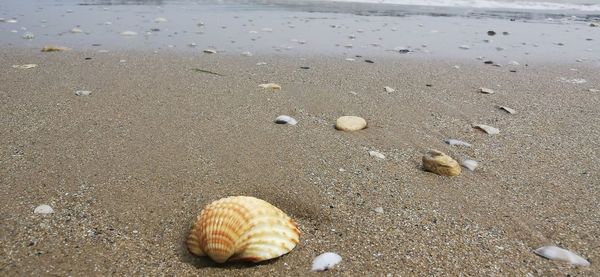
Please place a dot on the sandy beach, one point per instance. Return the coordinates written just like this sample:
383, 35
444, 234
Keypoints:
168, 128
127, 168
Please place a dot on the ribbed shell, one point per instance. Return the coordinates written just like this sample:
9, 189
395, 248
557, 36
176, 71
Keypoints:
440, 163
242, 228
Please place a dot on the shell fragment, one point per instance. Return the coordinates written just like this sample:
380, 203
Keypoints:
326, 261
469, 164
389, 89
559, 254
24, 66
272, 86
455, 142
488, 129
377, 155
43, 209
507, 109
486, 90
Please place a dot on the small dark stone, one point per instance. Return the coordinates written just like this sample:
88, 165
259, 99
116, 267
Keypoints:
512, 19
403, 51
428, 85
358, 56
305, 67
488, 62
369, 61
154, 29
88, 58
505, 33
491, 33
513, 70
96, 44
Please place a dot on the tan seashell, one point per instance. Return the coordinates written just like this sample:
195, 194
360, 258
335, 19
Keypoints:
242, 228
350, 123
440, 163
272, 86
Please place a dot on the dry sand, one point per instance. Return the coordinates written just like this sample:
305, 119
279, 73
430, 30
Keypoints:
128, 168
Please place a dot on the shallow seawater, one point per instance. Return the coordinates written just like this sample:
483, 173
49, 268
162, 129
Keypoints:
349, 30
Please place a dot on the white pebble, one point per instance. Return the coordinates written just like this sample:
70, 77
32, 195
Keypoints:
378, 210
559, 254
326, 261
83, 92
388, 89
129, 33
469, 164
376, 155
43, 209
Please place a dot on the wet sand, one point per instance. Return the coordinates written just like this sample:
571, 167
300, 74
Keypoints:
127, 168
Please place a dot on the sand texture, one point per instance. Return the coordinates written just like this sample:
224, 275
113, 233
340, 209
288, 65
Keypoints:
127, 168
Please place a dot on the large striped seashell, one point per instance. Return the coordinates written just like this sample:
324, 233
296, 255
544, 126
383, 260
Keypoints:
242, 228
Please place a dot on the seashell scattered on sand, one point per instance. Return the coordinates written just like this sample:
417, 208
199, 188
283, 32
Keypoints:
272, 86
486, 90
507, 109
559, 254
388, 89
488, 129
43, 209
242, 228
284, 119
350, 123
24, 66
469, 164
83, 92
129, 33
54, 48
440, 163
455, 142
376, 155
326, 261
76, 30
160, 19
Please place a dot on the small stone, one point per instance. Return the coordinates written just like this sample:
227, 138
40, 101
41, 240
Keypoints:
488, 129
505, 33
83, 92
440, 163
350, 123
305, 67
378, 210
389, 89
594, 24
76, 30
261, 63
488, 62
210, 51
129, 33
486, 90
369, 61
246, 54
594, 90
376, 155
28, 35
464, 47
284, 119
160, 19
491, 33
43, 209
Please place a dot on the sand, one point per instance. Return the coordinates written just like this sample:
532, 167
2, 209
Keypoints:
128, 168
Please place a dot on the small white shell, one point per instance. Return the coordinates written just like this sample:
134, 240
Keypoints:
210, 51
469, 164
455, 142
388, 89
376, 155
43, 209
559, 254
24, 66
160, 19
284, 119
326, 261
488, 129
